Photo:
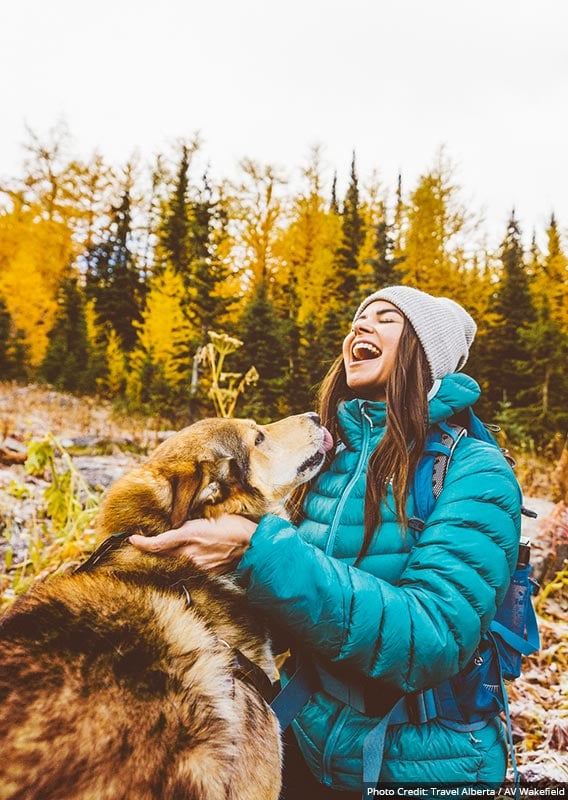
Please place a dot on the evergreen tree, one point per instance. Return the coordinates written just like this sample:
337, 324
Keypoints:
334, 205
329, 339
14, 353
175, 232
398, 217
384, 264
514, 312
308, 371
207, 268
265, 337
5, 337
548, 348
113, 279
66, 361
353, 234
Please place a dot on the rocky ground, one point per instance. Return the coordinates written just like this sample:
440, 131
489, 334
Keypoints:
104, 445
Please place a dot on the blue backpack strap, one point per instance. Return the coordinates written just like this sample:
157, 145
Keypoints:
431, 470
294, 695
527, 645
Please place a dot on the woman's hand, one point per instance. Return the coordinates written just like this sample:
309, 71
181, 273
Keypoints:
215, 545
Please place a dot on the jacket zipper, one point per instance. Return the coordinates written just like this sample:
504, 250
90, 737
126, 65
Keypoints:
361, 465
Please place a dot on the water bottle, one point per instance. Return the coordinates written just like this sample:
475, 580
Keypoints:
514, 611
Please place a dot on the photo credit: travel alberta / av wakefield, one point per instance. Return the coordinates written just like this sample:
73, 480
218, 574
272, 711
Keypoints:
548, 789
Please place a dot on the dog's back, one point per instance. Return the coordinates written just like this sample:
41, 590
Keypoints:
114, 685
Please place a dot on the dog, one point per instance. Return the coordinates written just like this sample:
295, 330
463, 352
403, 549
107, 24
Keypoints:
138, 676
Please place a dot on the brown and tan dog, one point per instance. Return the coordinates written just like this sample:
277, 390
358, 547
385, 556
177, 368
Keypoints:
124, 681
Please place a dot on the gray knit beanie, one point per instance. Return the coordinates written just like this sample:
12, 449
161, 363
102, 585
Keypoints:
444, 328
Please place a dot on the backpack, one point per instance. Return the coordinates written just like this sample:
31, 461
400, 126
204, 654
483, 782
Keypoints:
477, 693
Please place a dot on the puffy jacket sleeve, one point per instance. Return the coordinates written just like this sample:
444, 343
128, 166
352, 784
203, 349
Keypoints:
424, 629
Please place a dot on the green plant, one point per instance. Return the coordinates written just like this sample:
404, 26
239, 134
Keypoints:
60, 531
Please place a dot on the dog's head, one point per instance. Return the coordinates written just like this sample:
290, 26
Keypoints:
216, 466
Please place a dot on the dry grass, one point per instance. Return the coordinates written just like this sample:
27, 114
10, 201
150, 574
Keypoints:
35, 411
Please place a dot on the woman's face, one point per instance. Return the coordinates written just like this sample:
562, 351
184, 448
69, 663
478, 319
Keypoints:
370, 349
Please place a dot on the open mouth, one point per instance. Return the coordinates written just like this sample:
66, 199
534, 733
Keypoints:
319, 455
312, 461
364, 351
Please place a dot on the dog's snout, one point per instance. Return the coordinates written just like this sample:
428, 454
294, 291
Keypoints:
314, 417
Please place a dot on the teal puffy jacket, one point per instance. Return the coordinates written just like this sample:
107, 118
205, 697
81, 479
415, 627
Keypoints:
410, 615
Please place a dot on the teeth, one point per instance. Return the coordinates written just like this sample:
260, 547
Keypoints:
364, 350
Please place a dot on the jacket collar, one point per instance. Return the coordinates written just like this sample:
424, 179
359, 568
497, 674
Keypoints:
448, 396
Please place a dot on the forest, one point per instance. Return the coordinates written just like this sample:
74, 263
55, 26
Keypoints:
163, 289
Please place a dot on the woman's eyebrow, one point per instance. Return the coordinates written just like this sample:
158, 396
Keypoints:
381, 311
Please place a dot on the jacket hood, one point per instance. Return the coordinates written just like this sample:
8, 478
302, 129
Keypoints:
450, 395
447, 397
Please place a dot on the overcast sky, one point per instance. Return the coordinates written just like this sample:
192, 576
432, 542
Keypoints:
392, 79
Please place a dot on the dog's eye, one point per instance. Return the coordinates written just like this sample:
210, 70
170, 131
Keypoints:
260, 437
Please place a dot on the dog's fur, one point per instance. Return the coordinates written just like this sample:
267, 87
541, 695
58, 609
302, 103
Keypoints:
118, 683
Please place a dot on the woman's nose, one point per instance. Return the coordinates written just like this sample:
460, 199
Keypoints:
361, 325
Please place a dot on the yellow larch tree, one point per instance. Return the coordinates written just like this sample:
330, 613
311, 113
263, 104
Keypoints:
163, 334
550, 281
306, 248
257, 215
34, 253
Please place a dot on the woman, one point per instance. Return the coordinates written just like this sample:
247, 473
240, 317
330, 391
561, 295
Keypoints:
373, 601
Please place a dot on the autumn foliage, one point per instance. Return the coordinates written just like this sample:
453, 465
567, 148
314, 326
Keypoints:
111, 280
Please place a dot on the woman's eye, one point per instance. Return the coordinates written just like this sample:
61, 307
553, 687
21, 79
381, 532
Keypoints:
259, 437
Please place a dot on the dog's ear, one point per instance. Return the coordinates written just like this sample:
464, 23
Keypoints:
206, 486
184, 490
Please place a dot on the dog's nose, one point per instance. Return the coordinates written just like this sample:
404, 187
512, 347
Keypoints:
315, 417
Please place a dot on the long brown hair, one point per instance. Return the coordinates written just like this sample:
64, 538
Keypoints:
395, 458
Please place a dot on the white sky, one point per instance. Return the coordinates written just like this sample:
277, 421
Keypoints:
392, 79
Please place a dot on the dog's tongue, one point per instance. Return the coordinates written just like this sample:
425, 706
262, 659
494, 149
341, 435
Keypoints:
327, 443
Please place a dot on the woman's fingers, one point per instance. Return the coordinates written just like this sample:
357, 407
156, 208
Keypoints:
213, 544
168, 540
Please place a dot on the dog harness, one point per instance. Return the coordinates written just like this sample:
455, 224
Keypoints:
242, 667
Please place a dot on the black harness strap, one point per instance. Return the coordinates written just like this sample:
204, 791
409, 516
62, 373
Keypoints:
246, 670
243, 668
112, 543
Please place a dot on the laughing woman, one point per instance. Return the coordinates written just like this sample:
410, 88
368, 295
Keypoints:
382, 609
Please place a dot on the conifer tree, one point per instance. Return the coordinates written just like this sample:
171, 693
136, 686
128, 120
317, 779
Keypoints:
266, 346
113, 279
13, 352
334, 205
385, 265
208, 270
398, 217
176, 225
66, 361
514, 312
353, 234
547, 347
